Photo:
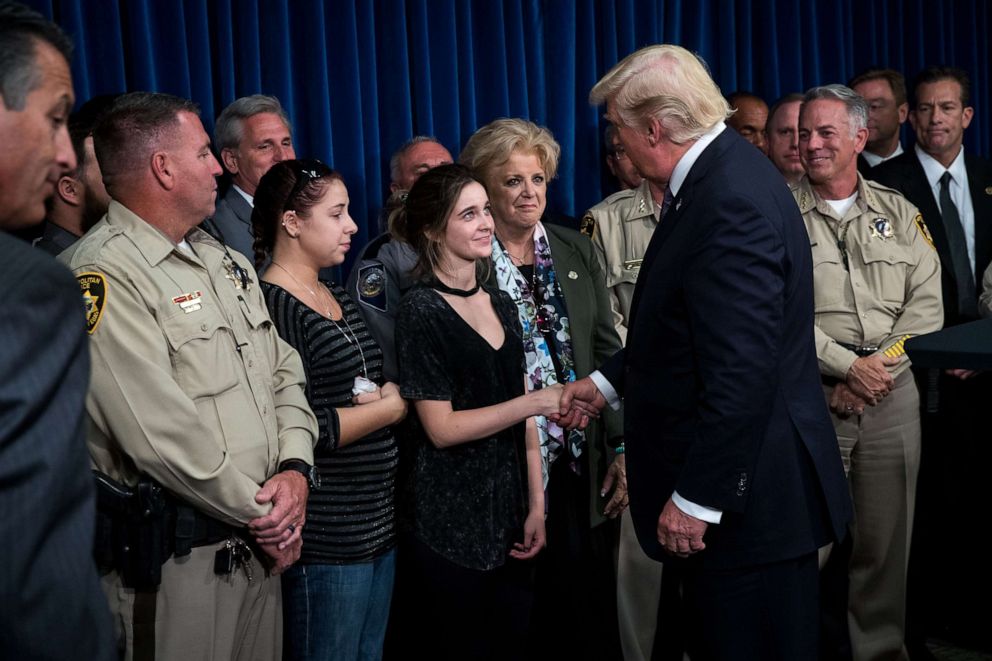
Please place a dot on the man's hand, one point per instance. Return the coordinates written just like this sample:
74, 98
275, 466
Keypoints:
869, 379
616, 479
287, 491
844, 403
679, 533
580, 401
282, 556
963, 375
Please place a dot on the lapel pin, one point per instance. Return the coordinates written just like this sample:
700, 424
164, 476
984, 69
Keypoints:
572, 275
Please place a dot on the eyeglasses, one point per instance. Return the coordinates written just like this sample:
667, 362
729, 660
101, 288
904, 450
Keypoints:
619, 153
305, 171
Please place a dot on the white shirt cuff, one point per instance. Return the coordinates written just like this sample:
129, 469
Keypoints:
607, 390
701, 512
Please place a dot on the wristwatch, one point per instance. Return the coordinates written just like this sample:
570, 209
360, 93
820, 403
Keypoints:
304, 469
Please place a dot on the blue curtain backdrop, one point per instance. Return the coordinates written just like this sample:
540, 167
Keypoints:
359, 78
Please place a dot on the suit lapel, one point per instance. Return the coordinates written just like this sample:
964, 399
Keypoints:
680, 204
918, 188
980, 187
564, 258
240, 206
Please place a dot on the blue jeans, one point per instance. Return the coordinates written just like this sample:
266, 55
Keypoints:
337, 612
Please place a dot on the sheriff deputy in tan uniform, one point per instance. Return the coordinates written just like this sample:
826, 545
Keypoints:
876, 282
195, 403
985, 300
621, 227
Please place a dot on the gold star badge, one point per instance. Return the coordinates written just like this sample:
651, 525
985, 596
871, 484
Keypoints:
94, 289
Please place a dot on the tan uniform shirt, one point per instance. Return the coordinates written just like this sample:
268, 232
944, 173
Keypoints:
191, 383
621, 227
985, 300
888, 290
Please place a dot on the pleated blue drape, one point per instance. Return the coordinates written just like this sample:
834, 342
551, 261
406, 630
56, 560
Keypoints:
360, 77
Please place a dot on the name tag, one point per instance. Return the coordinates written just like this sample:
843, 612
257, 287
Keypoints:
633, 264
189, 302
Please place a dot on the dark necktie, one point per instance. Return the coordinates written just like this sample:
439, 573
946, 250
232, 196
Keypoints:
665, 203
967, 297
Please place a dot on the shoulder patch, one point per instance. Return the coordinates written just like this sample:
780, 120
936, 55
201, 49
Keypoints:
94, 289
924, 232
371, 286
588, 225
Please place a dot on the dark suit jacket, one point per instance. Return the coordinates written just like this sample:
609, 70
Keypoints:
594, 339
863, 166
51, 604
906, 175
722, 390
233, 219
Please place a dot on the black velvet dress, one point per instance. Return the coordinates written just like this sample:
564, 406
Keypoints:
467, 502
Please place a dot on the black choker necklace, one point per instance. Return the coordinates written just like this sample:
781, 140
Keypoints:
445, 289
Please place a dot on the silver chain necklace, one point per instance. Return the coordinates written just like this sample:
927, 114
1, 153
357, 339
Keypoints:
353, 340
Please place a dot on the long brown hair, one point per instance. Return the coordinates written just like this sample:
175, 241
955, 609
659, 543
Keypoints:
422, 220
295, 185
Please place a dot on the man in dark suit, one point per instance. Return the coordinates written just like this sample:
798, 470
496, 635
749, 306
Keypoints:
253, 134
80, 197
51, 605
885, 92
733, 461
953, 192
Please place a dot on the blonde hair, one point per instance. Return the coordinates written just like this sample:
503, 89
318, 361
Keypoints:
667, 83
493, 144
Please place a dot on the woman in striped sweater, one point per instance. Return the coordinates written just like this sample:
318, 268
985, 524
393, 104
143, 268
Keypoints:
336, 598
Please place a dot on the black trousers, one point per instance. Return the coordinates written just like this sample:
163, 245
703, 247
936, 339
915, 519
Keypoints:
575, 605
764, 613
464, 614
949, 581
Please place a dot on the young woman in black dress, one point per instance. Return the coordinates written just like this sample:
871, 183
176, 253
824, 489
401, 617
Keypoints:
336, 598
476, 499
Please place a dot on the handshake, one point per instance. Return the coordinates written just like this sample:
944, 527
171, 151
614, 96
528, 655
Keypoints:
570, 406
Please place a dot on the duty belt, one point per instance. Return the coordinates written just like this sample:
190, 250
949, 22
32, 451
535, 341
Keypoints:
860, 351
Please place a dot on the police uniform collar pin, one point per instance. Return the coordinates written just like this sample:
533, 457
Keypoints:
237, 274
881, 228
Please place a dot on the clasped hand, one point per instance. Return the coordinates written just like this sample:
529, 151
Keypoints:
869, 379
580, 402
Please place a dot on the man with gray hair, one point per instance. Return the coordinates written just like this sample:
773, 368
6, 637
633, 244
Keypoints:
876, 283
252, 134
734, 471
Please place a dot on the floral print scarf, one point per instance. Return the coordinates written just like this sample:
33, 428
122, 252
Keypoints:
541, 306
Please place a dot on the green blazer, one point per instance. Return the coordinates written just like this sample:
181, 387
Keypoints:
594, 339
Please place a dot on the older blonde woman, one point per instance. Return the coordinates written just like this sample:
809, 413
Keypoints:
554, 279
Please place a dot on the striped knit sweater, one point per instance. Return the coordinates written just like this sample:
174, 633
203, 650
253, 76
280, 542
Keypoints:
351, 517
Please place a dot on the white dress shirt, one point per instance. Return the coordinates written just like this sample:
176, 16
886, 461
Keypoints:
250, 199
960, 195
875, 159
